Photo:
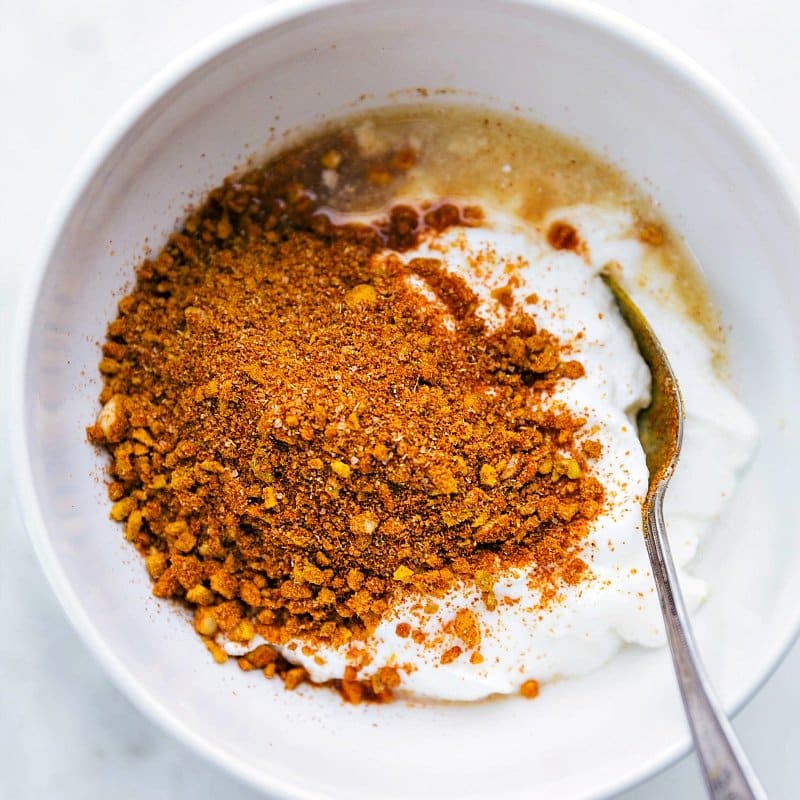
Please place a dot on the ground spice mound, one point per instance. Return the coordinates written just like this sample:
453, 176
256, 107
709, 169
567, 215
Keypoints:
298, 438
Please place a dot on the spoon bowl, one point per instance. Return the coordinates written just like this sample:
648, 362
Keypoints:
576, 67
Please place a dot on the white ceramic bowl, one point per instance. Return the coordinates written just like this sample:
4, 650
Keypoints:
572, 66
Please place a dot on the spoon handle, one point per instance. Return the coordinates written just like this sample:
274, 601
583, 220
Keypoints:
726, 770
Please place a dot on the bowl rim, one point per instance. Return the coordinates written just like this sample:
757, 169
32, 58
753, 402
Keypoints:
582, 12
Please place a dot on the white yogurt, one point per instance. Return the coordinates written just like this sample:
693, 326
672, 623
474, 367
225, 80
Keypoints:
617, 603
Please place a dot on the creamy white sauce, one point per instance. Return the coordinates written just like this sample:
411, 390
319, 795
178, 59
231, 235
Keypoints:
617, 603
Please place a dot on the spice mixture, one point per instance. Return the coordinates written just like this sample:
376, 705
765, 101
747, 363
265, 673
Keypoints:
297, 439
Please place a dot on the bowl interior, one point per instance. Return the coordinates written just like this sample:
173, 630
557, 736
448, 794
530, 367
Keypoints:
578, 71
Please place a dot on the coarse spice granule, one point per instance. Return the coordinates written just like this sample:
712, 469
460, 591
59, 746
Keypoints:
297, 439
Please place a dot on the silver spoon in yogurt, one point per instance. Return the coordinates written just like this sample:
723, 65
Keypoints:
726, 770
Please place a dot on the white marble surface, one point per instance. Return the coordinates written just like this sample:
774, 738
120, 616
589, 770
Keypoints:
65, 66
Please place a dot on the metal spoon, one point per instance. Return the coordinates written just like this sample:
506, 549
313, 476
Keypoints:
726, 770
